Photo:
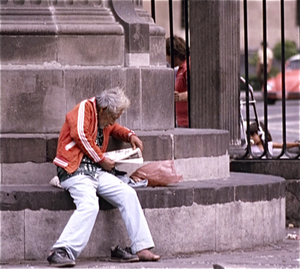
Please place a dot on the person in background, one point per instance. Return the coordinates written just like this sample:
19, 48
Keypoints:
181, 93
257, 140
260, 62
85, 172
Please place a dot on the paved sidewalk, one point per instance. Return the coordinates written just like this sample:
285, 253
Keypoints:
285, 254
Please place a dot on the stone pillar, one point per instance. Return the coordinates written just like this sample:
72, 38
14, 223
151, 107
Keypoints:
215, 64
56, 53
136, 33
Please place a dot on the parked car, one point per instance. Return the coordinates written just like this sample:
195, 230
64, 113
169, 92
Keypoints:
292, 82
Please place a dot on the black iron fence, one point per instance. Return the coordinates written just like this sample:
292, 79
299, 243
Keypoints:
287, 149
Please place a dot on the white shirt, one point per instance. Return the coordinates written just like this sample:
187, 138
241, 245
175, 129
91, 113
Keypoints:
256, 151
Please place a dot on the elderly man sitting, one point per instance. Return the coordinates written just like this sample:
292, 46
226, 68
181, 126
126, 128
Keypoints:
85, 173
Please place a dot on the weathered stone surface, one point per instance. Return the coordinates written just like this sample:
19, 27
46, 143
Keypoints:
26, 148
157, 145
274, 214
42, 95
82, 84
254, 223
293, 202
205, 195
27, 49
47, 31
29, 100
250, 226
157, 38
19, 153
20, 197
32, 149
177, 230
289, 169
42, 229
206, 192
27, 173
183, 229
228, 232
160, 197
12, 235
204, 143
157, 99
189, 216
136, 30
202, 168
157, 50
91, 50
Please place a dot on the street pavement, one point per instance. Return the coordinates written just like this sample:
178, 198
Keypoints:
285, 254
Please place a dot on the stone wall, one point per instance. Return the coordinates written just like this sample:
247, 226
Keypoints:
239, 212
288, 169
57, 53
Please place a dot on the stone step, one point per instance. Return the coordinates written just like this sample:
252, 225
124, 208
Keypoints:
241, 211
289, 169
197, 153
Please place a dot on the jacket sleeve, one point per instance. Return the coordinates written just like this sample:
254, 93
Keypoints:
81, 121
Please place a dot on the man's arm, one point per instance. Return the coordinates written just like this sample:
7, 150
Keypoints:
136, 142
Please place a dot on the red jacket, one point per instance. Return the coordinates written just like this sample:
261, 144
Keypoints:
78, 136
182, 117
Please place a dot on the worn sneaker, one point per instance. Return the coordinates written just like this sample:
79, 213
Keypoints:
118, 254
59, 257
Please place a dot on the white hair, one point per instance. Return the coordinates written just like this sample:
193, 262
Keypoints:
113, 99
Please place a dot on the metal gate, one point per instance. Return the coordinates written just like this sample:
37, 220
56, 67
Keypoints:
249, 114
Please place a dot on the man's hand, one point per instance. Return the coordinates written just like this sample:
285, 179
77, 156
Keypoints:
107, 164
180, 96
136, 142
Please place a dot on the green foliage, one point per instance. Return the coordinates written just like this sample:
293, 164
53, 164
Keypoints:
253, 60
290, 49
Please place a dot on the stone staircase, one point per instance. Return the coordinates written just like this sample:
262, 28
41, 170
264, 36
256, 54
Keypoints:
54, 55
211, 210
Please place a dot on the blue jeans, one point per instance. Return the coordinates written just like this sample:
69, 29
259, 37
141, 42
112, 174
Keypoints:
84, 190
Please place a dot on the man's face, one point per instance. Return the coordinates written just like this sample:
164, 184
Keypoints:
105, 118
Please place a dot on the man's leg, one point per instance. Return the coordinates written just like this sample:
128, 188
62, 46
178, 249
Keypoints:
79, 227
125, 198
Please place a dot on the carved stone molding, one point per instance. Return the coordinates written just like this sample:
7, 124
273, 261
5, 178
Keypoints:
136, 30
22, 3
57, 17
